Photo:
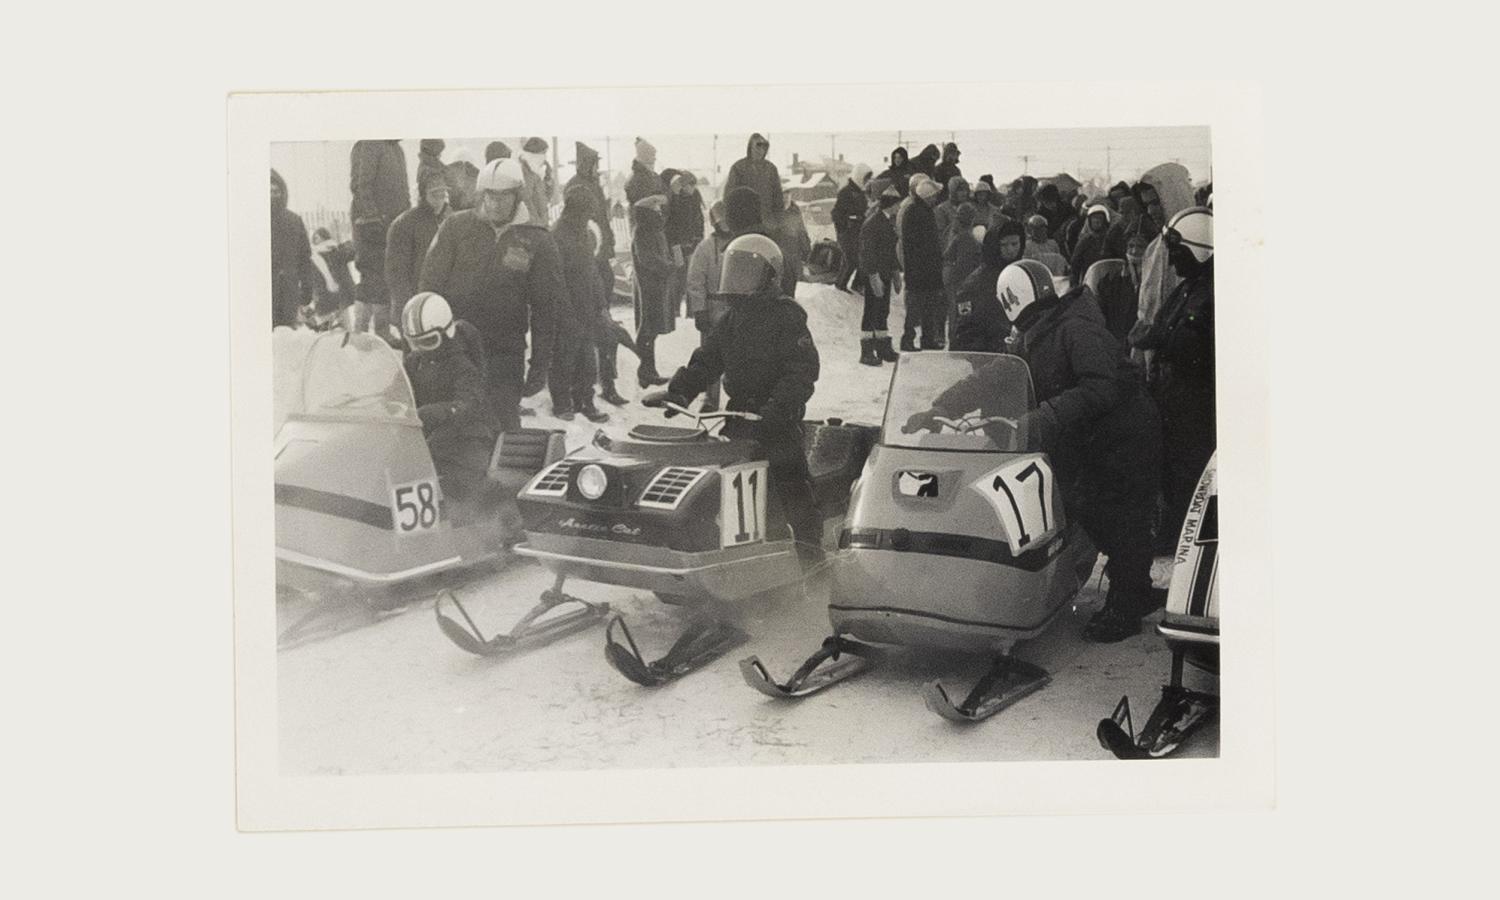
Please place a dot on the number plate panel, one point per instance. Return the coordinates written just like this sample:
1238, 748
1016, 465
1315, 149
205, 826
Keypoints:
742, 504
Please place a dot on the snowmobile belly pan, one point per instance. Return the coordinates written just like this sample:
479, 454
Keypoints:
730, 574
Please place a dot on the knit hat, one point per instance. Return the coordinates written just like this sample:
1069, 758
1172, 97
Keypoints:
716, 215
860, 174
496, 150
645, 152
888, 196
983, 187
926, 188
742, 209
534, 145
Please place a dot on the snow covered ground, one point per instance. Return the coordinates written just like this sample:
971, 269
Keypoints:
394, 696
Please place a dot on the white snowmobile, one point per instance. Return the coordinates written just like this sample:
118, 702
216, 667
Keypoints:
957, 540
1191, 627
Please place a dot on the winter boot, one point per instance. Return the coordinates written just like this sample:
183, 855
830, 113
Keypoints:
1120, 618
867, 355
908, 343
645, 374
610, 395
883, 347
593, 413
563, 411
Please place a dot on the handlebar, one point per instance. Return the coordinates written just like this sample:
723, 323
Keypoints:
707, 417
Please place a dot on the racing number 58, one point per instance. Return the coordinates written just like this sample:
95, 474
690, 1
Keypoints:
415, 507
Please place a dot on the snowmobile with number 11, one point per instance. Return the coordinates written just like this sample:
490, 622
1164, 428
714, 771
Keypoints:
957, 540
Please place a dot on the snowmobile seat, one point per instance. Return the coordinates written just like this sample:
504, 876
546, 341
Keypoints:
691, 453
522, 453
667, 434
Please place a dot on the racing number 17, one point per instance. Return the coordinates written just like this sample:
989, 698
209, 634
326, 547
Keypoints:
1030, 511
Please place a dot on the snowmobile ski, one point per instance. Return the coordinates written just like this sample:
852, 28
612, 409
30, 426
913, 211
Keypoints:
809, 678
528, 632
1177, 715
1007, 681
705, 640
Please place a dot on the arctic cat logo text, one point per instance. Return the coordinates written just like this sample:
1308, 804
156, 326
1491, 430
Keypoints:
917, 484
598, 528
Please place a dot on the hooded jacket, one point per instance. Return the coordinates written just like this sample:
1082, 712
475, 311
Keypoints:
765, 353
921, 248
962, 252
957, 191
761, 176
981, 324
704, 269
429, 164
1090, 249
585, 294
292, 274
947, 170
1183, 336
899, 172
684, 225
849, 211
587, 174
377, 179
643, 182
500, 280
926, 162
877, 247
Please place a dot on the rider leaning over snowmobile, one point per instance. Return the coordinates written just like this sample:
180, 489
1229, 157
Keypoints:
764, 351
447, 380
1097, 424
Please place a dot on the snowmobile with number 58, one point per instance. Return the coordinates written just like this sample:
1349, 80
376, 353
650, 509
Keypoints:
957, 540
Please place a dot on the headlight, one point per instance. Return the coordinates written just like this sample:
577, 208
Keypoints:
592, 482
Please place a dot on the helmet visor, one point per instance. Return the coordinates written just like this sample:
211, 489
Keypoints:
745, 273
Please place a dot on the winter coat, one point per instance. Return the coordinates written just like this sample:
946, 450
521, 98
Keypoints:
899, 172
335, 259
1117, 296
1183, 337
585, 298
926, 162
292, 274
946, 172
704, 269
980, 324
1047, 255
956, 194
449, 389
654, 310
761, 176
406, 247
921, 252
1090, 249
961, 256
791, 236
588, 175
877, 248
684, 226
764, 351
501, 280
377, 179
429, 161
643, 183
849, 211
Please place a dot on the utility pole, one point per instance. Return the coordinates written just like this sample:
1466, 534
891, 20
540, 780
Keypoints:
716, 159
1108, 172
1025, 164
833, 147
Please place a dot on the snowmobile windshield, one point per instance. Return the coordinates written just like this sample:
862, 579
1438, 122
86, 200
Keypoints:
354, 376
958, 401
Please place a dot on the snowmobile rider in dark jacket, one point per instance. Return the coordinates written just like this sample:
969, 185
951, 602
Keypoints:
900, 171
764, 351
1097, 424
1182, 377
448, 385
981, 325
501, 272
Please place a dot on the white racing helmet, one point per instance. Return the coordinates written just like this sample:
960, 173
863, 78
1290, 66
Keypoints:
500, 175
1023, 284
1192, 228
752, 266
426, 320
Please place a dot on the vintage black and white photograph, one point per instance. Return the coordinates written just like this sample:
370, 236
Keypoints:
625, 449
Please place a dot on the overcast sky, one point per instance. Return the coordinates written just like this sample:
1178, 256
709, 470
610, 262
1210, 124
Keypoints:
317, 173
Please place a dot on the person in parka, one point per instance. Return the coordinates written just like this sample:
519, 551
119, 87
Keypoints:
643, 181
980, 324
899, 172
1091, 241
574, 361
653, 263
1097, 425
606, 345
766, 355
849, 211
334, 290
878, 265
377, 181
705, 304
759, 174
293, 277
541, 181
1182, 367
447, 382
412, 233
922, 265
948, 169
926, 163
684, 229
501, 272
962, 255
429, 160
956, 192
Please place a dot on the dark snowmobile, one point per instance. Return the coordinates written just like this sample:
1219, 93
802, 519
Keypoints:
679, 511
957, 540
1191, 627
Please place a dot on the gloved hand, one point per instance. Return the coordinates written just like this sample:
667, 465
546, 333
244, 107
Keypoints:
535, 380
877, 285
659, 398
926, 420
434, 416
1039, 429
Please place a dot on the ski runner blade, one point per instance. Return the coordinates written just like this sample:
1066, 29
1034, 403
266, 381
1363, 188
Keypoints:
1008, 681
527, 634
812, 676
704, 641
1117, 741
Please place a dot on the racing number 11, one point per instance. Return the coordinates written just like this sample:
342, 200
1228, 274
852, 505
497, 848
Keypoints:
740, 483
742, 505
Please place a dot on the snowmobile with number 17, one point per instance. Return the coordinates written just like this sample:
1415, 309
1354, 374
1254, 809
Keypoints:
957, 539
